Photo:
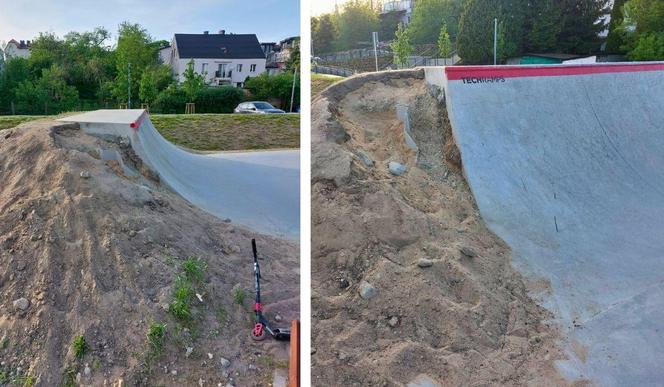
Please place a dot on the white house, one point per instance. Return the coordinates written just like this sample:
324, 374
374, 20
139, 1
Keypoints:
226, 59
405, 7
15, 49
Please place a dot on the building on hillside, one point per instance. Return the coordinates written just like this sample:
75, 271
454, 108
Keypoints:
225, 59
404, 7
279, 54
17, 49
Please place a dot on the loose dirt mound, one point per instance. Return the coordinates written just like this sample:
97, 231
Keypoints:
408, 283
92, 248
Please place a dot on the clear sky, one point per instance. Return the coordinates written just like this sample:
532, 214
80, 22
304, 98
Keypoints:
271, 20
324, 6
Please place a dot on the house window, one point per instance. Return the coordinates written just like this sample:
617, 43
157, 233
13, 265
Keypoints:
204, 68
222, 71
252, 68
239, 67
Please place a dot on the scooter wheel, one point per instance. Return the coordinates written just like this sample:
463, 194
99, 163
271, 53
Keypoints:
258, 333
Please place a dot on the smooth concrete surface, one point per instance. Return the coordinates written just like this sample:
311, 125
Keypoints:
566, 164
260, 190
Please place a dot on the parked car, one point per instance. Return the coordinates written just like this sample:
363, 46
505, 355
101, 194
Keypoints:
257, 107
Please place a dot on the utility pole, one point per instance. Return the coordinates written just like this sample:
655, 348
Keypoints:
374, 35
129, 85
292, 96
495, 40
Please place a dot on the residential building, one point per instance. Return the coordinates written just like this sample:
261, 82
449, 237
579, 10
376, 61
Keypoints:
404, 7
279, 54
225, 59
17, 49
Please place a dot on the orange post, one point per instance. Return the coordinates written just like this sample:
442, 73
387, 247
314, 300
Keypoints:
294, 366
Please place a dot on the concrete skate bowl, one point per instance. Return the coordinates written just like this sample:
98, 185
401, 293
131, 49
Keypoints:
565, 164
259, 190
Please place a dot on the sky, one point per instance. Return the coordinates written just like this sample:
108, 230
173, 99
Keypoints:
270, 20
319, 7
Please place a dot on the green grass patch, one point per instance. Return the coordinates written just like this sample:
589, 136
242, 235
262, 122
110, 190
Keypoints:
7, 122
226, 132
24, 381
320, 82
238, 296
156, 334
80, 347
5, 343
180, 307
193, 269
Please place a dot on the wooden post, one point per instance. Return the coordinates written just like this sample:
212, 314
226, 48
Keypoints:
294, 363
145, 107
190, 108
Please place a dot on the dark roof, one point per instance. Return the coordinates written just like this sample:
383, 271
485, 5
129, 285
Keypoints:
219, 46
554, 55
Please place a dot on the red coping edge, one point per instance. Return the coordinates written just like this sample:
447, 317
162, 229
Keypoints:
137, 124
455, 73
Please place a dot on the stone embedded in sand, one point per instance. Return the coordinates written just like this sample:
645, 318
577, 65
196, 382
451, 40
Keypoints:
21, 303
132, 233
364, 157
393, 322
85, 175
8, 134
189, 351
468, 252
396, 169
423, 263
225, 363
367, 290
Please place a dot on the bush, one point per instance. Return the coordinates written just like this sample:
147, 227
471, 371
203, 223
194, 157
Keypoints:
171, 100
218, 99
649, 47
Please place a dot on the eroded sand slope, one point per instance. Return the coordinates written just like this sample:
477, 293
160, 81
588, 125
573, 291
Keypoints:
440, 300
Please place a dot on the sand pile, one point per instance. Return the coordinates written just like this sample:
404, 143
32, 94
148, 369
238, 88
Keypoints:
409, 285
94, 249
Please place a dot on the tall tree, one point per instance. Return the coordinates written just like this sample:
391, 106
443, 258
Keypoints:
582, 21
324, 34
193, 82
642, 29
444, 43
544, 27
355, 24
134, 54
429, 16
614, 41
475, 40
401, 46
389, 22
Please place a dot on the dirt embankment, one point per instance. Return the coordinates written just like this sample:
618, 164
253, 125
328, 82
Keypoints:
94, 253
408, 283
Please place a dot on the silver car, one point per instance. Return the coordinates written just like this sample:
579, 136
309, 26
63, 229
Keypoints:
257, 107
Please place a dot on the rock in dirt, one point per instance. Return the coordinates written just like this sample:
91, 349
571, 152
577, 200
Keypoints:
189, 351
364, 157
85, 175
423, 263
8, 134
21, 304
367, 290
396, 168
225, 363
393, 321
468, 252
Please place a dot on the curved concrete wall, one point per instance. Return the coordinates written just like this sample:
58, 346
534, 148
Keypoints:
567, 166
260, 190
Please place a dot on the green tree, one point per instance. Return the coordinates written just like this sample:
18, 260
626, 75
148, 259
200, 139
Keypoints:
154, 79
274, 88
475, 40
582, 22
444, 44
614, 41
323, 34
355, 24
429, 16
193, 82
545, 25
293, 62
649, 46
401, 46
134, 53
